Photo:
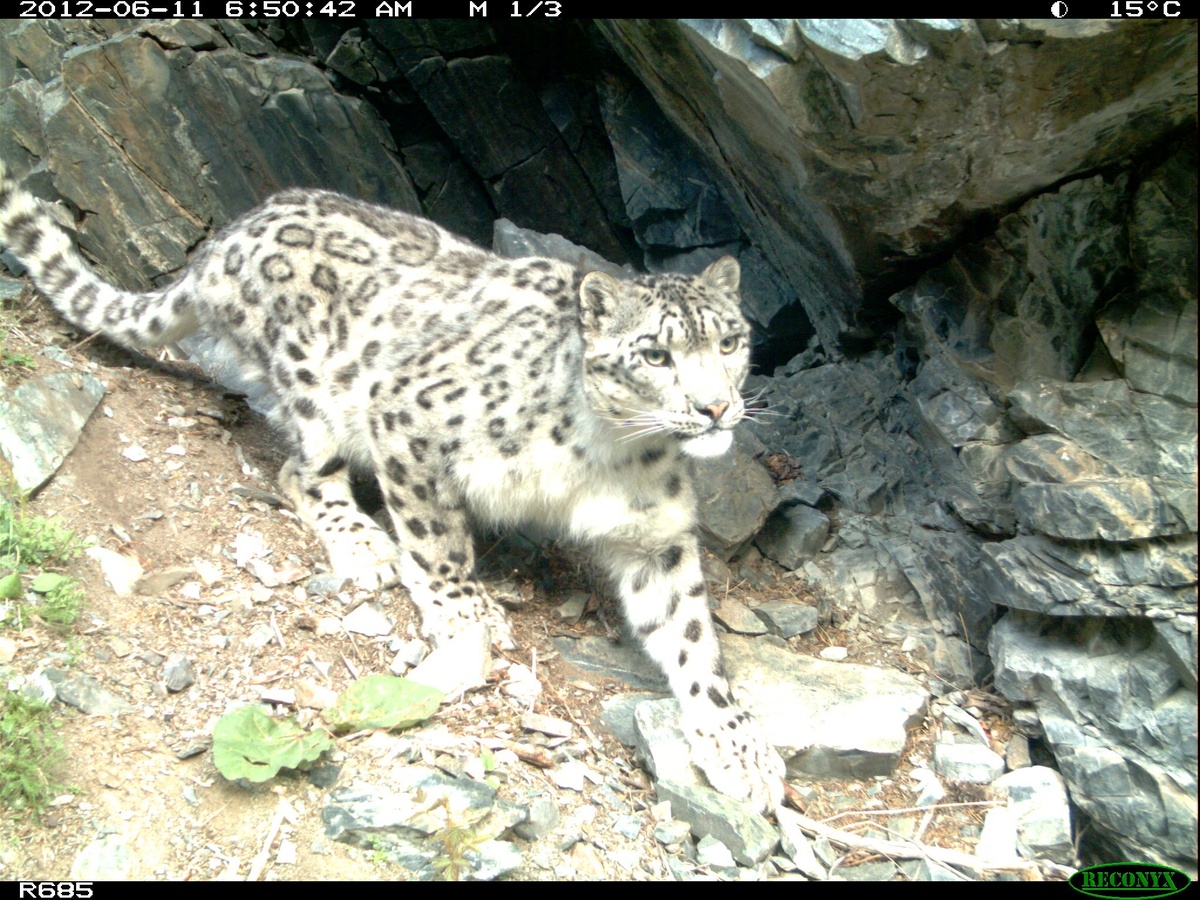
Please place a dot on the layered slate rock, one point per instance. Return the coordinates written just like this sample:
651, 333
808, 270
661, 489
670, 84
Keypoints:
1129, 761
1149, 328
40, 423
828, 720
853, 147
137, 133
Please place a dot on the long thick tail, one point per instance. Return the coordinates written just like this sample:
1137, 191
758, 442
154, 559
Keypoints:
77, 292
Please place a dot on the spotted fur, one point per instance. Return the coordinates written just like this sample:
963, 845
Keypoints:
509, 390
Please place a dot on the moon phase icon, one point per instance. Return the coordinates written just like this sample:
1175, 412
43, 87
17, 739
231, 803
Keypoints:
1059, 9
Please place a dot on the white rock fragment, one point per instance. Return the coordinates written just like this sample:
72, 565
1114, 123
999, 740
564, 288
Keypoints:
135, 453
368, 620
834, 654
532, 721
248, 546
286, 854
328, 625
263, 571
522, 684
460, 664
120, 572
571, 775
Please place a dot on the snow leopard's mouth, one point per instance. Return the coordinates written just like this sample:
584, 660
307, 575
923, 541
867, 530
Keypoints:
712, 442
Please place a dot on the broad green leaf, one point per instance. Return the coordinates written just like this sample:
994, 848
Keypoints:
10, 586
383, 701
46, 582
248, 743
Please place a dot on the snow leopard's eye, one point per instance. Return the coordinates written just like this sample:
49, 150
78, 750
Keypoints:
656, 356
730, 343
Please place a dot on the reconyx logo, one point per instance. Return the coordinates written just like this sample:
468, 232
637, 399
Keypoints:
1128, 879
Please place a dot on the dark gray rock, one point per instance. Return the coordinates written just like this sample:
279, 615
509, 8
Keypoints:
1115, 509
1054, 459
828, 720
1011, 307
738, 617
1129, 760
1091, 579
796, 112
624, 661
736, 825
40, 423
969, 762
451, 193
661, 743
617, 714
853, 432
515, 242
787, 619
734, 496
1037, 797
542, 819
793, 535
945, 570
398, 823
178, 673
669, 195
509, 140
1139, 434
85, 693
147, 201
1176, 640
1149, 330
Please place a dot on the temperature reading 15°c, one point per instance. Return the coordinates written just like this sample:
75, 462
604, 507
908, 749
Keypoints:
1135, 9
549, 8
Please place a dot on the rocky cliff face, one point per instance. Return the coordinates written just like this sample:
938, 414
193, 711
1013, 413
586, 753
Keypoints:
969, 252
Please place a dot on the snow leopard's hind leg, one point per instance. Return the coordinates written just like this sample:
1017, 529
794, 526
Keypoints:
316, 480
438, 557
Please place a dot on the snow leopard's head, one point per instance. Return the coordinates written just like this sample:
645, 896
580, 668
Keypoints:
668, 354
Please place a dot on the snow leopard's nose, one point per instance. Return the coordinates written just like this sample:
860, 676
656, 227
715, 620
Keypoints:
713, 410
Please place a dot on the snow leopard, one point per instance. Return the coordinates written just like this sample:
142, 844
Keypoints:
476, 388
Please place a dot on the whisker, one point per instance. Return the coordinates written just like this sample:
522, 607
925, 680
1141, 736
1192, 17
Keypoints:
626, 438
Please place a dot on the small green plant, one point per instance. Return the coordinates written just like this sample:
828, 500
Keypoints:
61, 598
29, 540
457, 841
34, 541
30, 751
11, 360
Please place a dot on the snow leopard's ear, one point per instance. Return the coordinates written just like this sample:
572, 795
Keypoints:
598, 298
724, 275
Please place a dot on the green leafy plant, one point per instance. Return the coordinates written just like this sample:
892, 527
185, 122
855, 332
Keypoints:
29, 752
383, 701
249, 744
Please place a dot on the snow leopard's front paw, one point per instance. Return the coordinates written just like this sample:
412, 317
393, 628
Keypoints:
736, 758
